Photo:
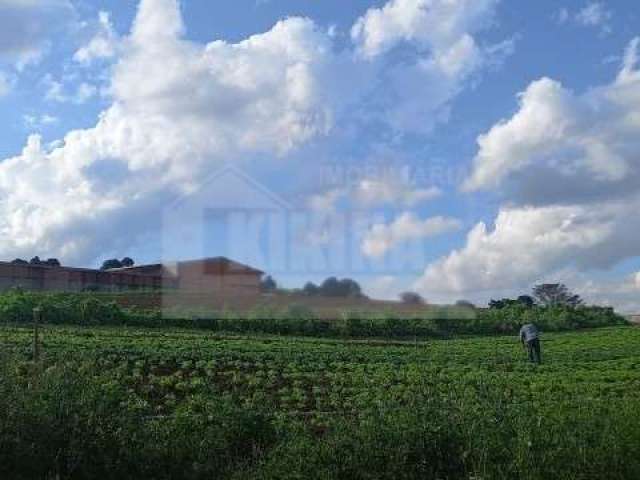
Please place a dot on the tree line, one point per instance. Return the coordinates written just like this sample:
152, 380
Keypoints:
115, 263
50, 262
54, 262
544, 295
331, 287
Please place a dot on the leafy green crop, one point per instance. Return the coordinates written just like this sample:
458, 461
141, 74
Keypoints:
168, 403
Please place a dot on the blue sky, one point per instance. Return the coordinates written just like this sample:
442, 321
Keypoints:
491, 143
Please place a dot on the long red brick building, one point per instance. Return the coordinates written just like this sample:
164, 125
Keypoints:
218, 275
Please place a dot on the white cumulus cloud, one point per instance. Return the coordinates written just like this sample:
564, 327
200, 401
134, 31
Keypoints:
38, 121
562, 147
568, 168
391, 191
372, 192
57, 91
440, 25
525, 244
382, 238
103, 44
181, 109
448, 54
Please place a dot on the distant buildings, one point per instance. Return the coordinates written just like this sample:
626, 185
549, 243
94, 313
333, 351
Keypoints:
217, 276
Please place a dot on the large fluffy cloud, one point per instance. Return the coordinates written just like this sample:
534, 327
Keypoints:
561, 147
527, 243
181, 109
623, 294
441, 33
194, 103
569, 166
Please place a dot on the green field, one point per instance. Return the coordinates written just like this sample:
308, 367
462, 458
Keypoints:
285, 407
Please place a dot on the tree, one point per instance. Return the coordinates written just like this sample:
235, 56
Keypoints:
526, 300
311, 289
111, 263
127, 262
268, 284
350, 288
552, 294
465, 303
50, 262
500, 304
332, 287
412, 298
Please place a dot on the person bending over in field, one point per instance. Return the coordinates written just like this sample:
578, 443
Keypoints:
530, 337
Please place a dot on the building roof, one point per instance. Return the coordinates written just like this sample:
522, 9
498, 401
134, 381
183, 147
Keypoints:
56, 267
222, 265
212, 265
137, 269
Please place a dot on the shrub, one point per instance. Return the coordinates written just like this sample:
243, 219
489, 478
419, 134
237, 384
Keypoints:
17, 306
412, 298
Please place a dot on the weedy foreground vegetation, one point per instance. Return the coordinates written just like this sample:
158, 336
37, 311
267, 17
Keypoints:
123, 402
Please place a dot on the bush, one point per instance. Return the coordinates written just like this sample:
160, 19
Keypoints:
91, 309
412, 298
67, 424
553, 318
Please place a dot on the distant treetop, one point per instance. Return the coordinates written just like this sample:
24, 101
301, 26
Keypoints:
412, 298
115, 263
50, 262
333, 287
268, 284
544, 295
550, 294
127, 262
465, 303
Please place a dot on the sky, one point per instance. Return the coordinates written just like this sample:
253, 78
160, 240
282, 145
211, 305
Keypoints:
463, 149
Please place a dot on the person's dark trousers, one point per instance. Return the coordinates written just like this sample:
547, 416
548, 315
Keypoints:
533, 346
